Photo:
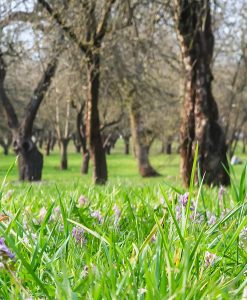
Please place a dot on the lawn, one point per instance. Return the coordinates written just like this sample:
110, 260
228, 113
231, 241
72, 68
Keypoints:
130, 239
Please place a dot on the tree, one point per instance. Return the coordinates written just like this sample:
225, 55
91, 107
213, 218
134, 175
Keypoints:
30, 160
200, 112
90, 45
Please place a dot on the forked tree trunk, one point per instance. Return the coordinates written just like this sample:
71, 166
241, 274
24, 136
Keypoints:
139, 141
95, 144
64, 153
30, 160
200, 112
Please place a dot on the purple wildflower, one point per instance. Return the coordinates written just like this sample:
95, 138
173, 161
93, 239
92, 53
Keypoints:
82, 200
183, 199
211, 218
5, 252
178, 212
96, 214
78, 234
221, 192
117, 214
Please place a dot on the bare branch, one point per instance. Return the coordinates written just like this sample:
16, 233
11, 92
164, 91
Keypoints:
38, 96
67, 30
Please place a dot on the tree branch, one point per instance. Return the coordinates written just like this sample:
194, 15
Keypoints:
9, 109
101, 28
67, 30
38, 96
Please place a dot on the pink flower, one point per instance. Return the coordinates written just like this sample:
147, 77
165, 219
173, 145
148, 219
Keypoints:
82, 201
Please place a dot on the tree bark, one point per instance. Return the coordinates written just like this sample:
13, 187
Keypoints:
126, 145
30, 160
200, 112
169, 148
139, 141
95, 144
64, 153
81, 131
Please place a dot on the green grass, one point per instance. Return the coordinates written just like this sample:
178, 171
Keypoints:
152, 248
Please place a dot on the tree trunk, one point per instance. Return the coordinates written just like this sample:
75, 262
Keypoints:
97, 152
126, 145
200, 112
163, 147
139, 141
30, 160
169, 148
85, 162
48, 148
5, 149
64, 154
5, 145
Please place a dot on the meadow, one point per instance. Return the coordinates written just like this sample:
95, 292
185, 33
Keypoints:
134, 238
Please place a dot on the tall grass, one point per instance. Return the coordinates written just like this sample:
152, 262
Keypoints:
123, 242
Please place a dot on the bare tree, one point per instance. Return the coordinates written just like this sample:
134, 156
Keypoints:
29, 158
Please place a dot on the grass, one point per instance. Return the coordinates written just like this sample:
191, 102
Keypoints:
131, 239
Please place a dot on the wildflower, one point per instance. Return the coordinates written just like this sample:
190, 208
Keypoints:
209, 258
183, 199
57, 210
78, 234
221, 193
154, 238
5, 252
96, 214
56, 214
211, 218
117, 214
42, 214
178, 212
82, 200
